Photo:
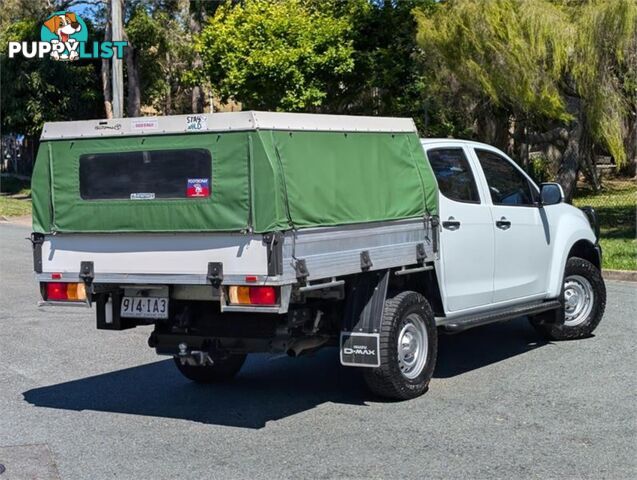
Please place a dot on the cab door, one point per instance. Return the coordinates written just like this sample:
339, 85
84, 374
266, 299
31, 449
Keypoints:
521, 230
466, 236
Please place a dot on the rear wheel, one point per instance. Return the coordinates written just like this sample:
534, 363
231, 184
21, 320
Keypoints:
584, 302
408, 348
223, 369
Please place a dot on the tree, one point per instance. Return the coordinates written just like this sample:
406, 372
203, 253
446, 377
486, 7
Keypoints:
196, 13
387, 76
537, 72
289, 55
161, 59
605, 72
35, 91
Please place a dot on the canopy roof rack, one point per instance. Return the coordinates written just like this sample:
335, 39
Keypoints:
224, 122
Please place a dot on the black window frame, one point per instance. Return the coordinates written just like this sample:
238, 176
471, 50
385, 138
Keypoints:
471, 173
533, 188
178, 153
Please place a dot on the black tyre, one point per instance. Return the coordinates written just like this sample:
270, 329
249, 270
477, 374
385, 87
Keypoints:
408, 348
584, 302
223, 369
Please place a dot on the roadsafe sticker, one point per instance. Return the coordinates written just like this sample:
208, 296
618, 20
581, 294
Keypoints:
196, 123
144, 124
198, 187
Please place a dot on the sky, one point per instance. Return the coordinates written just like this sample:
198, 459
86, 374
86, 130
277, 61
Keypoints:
84, 10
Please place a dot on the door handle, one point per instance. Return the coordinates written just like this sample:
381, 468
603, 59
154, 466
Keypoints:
451, 224
503, 224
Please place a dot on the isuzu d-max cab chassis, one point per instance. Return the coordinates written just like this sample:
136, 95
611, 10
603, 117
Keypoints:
272, 232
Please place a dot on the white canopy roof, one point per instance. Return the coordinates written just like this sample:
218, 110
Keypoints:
224, 122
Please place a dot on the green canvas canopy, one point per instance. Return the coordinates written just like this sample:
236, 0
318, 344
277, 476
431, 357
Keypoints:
246, 171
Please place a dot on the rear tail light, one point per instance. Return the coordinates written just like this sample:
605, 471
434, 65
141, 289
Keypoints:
58, 291
262, 295
243, 295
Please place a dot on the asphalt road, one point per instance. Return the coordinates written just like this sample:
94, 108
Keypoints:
77, 403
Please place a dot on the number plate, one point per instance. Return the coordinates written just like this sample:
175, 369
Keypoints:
144, 307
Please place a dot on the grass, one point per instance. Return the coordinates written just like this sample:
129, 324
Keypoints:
10, 188
12, 207
616, 207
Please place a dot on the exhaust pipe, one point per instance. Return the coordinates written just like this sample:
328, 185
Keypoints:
305, 345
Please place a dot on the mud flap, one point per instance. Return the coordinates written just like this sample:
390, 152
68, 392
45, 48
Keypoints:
360, 335
360, 349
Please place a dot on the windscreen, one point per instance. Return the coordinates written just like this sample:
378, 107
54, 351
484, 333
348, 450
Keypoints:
146, 175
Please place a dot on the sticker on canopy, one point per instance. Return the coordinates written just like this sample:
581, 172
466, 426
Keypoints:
144, 124
142, 196
196, 123
198, 187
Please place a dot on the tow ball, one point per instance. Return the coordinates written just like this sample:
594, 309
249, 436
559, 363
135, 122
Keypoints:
196, 358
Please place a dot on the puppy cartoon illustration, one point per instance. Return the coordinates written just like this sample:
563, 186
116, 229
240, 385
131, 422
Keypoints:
64, 25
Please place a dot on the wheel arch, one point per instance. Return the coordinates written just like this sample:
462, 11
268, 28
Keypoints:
578, 244
425, 283
586, 249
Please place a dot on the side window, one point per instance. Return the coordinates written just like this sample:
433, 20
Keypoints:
454, 175
507, 185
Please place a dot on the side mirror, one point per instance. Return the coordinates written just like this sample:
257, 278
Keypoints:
551, 194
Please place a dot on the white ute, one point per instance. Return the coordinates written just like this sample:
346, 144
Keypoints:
500, 247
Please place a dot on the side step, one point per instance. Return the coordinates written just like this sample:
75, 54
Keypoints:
459, 324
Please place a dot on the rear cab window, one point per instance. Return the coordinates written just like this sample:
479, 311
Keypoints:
454, 175
146, 175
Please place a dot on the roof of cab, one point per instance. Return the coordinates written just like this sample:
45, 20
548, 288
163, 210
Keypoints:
453, 141
224, 122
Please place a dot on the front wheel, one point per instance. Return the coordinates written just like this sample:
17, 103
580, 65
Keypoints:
584, 302
408, 348
223, 369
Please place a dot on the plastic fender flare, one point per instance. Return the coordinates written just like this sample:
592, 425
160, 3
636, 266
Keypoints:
566, 237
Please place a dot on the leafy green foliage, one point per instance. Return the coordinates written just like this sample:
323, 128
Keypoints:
276, 55
35, 91
511, 52
605, 68
147, 33
540, 62
387, 78
165, 53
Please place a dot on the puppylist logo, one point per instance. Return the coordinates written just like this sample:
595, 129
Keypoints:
64, 36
